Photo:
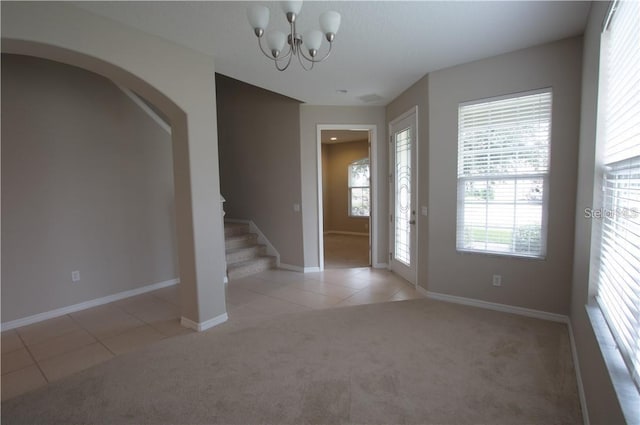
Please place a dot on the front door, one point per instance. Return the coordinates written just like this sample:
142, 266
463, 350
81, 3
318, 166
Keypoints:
403, 196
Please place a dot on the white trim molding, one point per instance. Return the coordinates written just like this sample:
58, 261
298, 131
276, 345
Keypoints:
576, 367
381, 266
522, 311
262, 239
291, 267
203, 326
374, 188
142, 105
537, 314
298, 268
340, 232
85, 305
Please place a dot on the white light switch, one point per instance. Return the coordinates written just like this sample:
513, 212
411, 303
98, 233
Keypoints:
296, 207
75, 276
423, 211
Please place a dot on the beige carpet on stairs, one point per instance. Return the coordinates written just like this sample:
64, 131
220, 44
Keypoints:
409, 362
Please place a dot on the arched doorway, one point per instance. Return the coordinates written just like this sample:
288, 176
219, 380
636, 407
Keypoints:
151, 67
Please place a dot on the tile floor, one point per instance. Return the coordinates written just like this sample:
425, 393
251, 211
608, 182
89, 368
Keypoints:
47, 351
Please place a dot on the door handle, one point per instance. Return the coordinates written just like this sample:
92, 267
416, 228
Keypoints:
412, 222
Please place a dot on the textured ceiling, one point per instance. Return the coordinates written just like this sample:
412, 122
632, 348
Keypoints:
381, 49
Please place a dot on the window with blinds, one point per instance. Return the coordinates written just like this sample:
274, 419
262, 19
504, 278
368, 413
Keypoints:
358, 180
618, 277
503, 169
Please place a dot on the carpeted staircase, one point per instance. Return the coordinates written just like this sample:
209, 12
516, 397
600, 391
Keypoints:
245, 256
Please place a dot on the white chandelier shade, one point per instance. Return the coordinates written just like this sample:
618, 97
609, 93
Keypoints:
305, 48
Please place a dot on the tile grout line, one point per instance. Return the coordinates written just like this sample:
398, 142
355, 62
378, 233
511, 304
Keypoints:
98, 340
293, 302
26, 347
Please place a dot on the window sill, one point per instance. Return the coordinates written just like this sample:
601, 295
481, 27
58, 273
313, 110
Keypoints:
500, 255
626, 391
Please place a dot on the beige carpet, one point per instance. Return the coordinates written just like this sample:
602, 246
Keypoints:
346, 251
418, 361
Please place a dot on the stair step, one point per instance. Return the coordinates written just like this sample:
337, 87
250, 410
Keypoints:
237, 255
246, 268
235, 229
239, 241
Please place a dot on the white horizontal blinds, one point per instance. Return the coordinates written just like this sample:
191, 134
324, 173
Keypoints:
618, 293
619, 274
503, 164
622, 83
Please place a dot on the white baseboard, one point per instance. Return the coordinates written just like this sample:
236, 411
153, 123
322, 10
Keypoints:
380, 265
576, 366
84, 305
538, 314
262, 239
311, 269
340, 232
291, 267
203, 326
522, 311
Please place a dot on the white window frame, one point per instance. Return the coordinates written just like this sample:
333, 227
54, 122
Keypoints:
350, 187
544, 176
613, 273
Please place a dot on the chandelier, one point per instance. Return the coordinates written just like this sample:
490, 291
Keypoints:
305, 48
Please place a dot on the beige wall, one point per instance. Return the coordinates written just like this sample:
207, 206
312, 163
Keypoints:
87, 185
603, 406
260, 162
335, 186
418, 95
537, 284
310, 118
150, 66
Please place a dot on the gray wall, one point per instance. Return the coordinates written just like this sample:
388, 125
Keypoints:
537, 284
418, 95
258, 134
87, 185
310, 117
335, 188
601, 399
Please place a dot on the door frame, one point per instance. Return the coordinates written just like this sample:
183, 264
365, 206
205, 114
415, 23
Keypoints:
373, 186
411, 111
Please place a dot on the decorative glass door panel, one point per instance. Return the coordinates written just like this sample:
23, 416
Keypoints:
402, 153
402, 183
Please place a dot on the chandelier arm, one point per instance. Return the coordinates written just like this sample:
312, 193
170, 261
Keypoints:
270, 56
264, 52
313, 60
286, 66
301, 56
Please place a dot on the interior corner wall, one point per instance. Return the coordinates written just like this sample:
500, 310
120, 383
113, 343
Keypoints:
418, 95
310, 117
336, 190
87, 185
259, 145
543, 284
602, 402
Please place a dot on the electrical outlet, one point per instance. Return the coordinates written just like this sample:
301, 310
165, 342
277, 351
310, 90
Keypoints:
497, 280
75, 276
